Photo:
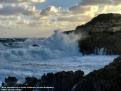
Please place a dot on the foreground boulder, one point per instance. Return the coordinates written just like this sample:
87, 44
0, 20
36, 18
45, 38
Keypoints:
106, 79
10, 82
62, 81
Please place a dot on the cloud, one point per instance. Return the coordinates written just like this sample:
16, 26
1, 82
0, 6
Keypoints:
111, 9
49, 10
79, 9
10, 10
38, 1
8, 1
95, 2
16, 1
24, 18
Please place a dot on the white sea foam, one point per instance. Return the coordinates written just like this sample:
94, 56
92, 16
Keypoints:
34, 57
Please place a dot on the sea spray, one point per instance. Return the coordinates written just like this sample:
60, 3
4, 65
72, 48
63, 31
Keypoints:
57, 46
56, 53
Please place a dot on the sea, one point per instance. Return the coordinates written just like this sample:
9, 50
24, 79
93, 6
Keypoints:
36, 56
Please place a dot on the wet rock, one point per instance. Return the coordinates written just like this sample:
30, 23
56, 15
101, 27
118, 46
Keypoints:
10, 82
105, 79
62, 81
29, 82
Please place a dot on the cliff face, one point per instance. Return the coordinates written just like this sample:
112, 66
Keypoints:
104, 31
111, 42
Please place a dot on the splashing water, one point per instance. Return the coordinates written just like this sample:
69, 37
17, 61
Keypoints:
57, 46
34, 57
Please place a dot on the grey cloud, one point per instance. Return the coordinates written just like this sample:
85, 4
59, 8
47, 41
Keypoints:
8, 1
40, 1
79, 9
74, 18
11, 10
16, 1
49, 10
95, 2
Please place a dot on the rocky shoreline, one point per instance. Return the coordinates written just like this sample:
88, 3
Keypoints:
105, 79
104, 31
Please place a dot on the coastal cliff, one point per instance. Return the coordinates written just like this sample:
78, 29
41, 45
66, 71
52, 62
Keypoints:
103, 31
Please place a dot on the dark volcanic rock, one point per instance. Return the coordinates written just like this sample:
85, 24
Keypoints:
106, 79
10, 82
62, 81
111, 42
29, 82
104, 31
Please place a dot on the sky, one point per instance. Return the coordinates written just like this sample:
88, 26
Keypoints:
39, 18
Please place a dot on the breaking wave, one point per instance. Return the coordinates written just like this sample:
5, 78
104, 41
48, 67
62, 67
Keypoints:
57, 46
34, 57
